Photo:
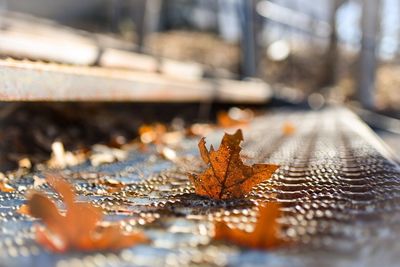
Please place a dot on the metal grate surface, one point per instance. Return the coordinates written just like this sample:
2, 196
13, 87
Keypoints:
339, 186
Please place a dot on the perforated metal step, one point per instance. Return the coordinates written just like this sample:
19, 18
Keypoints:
338, 184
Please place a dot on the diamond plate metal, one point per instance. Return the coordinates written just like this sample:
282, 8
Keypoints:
338, 184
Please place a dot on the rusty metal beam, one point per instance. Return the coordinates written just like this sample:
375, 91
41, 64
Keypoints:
36, 81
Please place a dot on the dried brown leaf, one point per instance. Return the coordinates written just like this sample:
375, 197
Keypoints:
79, 228
265, 234
227, 176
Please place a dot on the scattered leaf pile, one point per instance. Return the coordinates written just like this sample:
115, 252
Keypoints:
265, 234
227, 176
80, 227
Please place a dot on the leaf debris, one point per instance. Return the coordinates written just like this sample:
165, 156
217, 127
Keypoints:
80, 227
265, 234
235, 117
4, 187
227, 176
288, 128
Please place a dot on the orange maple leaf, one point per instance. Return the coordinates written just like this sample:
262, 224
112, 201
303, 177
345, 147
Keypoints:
227, 176
79, 228
265, 234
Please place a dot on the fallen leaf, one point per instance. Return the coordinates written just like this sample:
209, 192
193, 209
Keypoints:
4, 187
227, 176
152, 133
234, 117
80, 227
102, 154
112, 184
288, 128
158, 134
61, 159
265, 234
23, 209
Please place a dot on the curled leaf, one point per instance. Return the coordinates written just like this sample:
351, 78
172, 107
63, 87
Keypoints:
79, 228
227, 176
265, 234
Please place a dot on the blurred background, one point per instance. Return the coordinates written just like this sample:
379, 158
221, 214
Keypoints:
348, 46
309, 53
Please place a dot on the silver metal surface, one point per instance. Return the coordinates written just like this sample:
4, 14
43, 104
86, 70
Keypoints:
338, 184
